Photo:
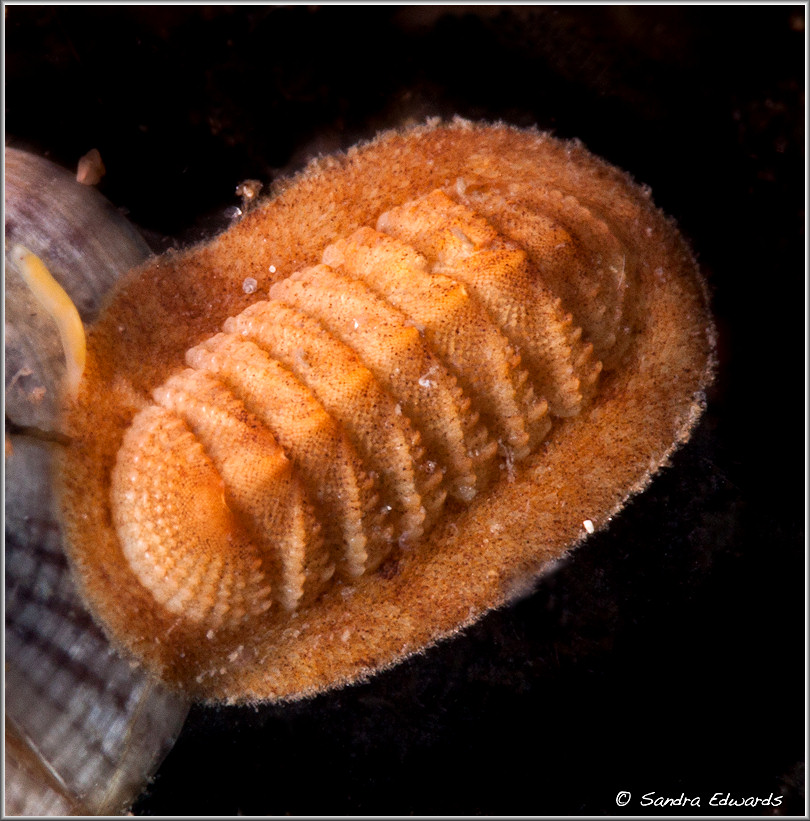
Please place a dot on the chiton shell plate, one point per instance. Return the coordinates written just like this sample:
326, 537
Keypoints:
462, 349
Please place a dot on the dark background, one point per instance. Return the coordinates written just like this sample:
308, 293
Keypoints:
667, 654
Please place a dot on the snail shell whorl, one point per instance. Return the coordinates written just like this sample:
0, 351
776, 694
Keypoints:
85, 243
84, 730
449, 376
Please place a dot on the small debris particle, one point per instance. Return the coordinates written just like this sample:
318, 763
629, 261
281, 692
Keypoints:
249, 191
91, 168
249, 285
588, 525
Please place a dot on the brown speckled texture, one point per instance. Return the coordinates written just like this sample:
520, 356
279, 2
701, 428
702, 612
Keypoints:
471, 561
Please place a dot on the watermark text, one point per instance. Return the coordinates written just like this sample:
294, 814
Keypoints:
718, 799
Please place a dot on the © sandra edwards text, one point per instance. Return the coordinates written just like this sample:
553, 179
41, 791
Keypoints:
719, 799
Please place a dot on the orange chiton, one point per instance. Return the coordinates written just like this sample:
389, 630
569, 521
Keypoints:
376, 406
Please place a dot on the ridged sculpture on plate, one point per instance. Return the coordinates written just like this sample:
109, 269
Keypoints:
376, 407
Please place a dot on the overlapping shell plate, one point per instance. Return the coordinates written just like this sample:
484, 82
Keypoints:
468, 346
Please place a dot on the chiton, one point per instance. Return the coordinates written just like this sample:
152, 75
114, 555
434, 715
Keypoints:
376, 406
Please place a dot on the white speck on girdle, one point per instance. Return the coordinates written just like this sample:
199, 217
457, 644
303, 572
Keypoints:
425, 381
508, 465
588, 525
249, 191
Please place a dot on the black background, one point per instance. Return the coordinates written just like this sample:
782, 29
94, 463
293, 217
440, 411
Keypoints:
667, 654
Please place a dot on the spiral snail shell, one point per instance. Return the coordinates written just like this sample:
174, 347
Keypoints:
83, 730
370, 410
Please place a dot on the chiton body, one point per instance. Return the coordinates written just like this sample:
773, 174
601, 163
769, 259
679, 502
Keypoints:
376, 406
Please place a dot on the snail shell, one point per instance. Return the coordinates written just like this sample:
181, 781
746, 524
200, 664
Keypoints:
368, 412
84, 730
